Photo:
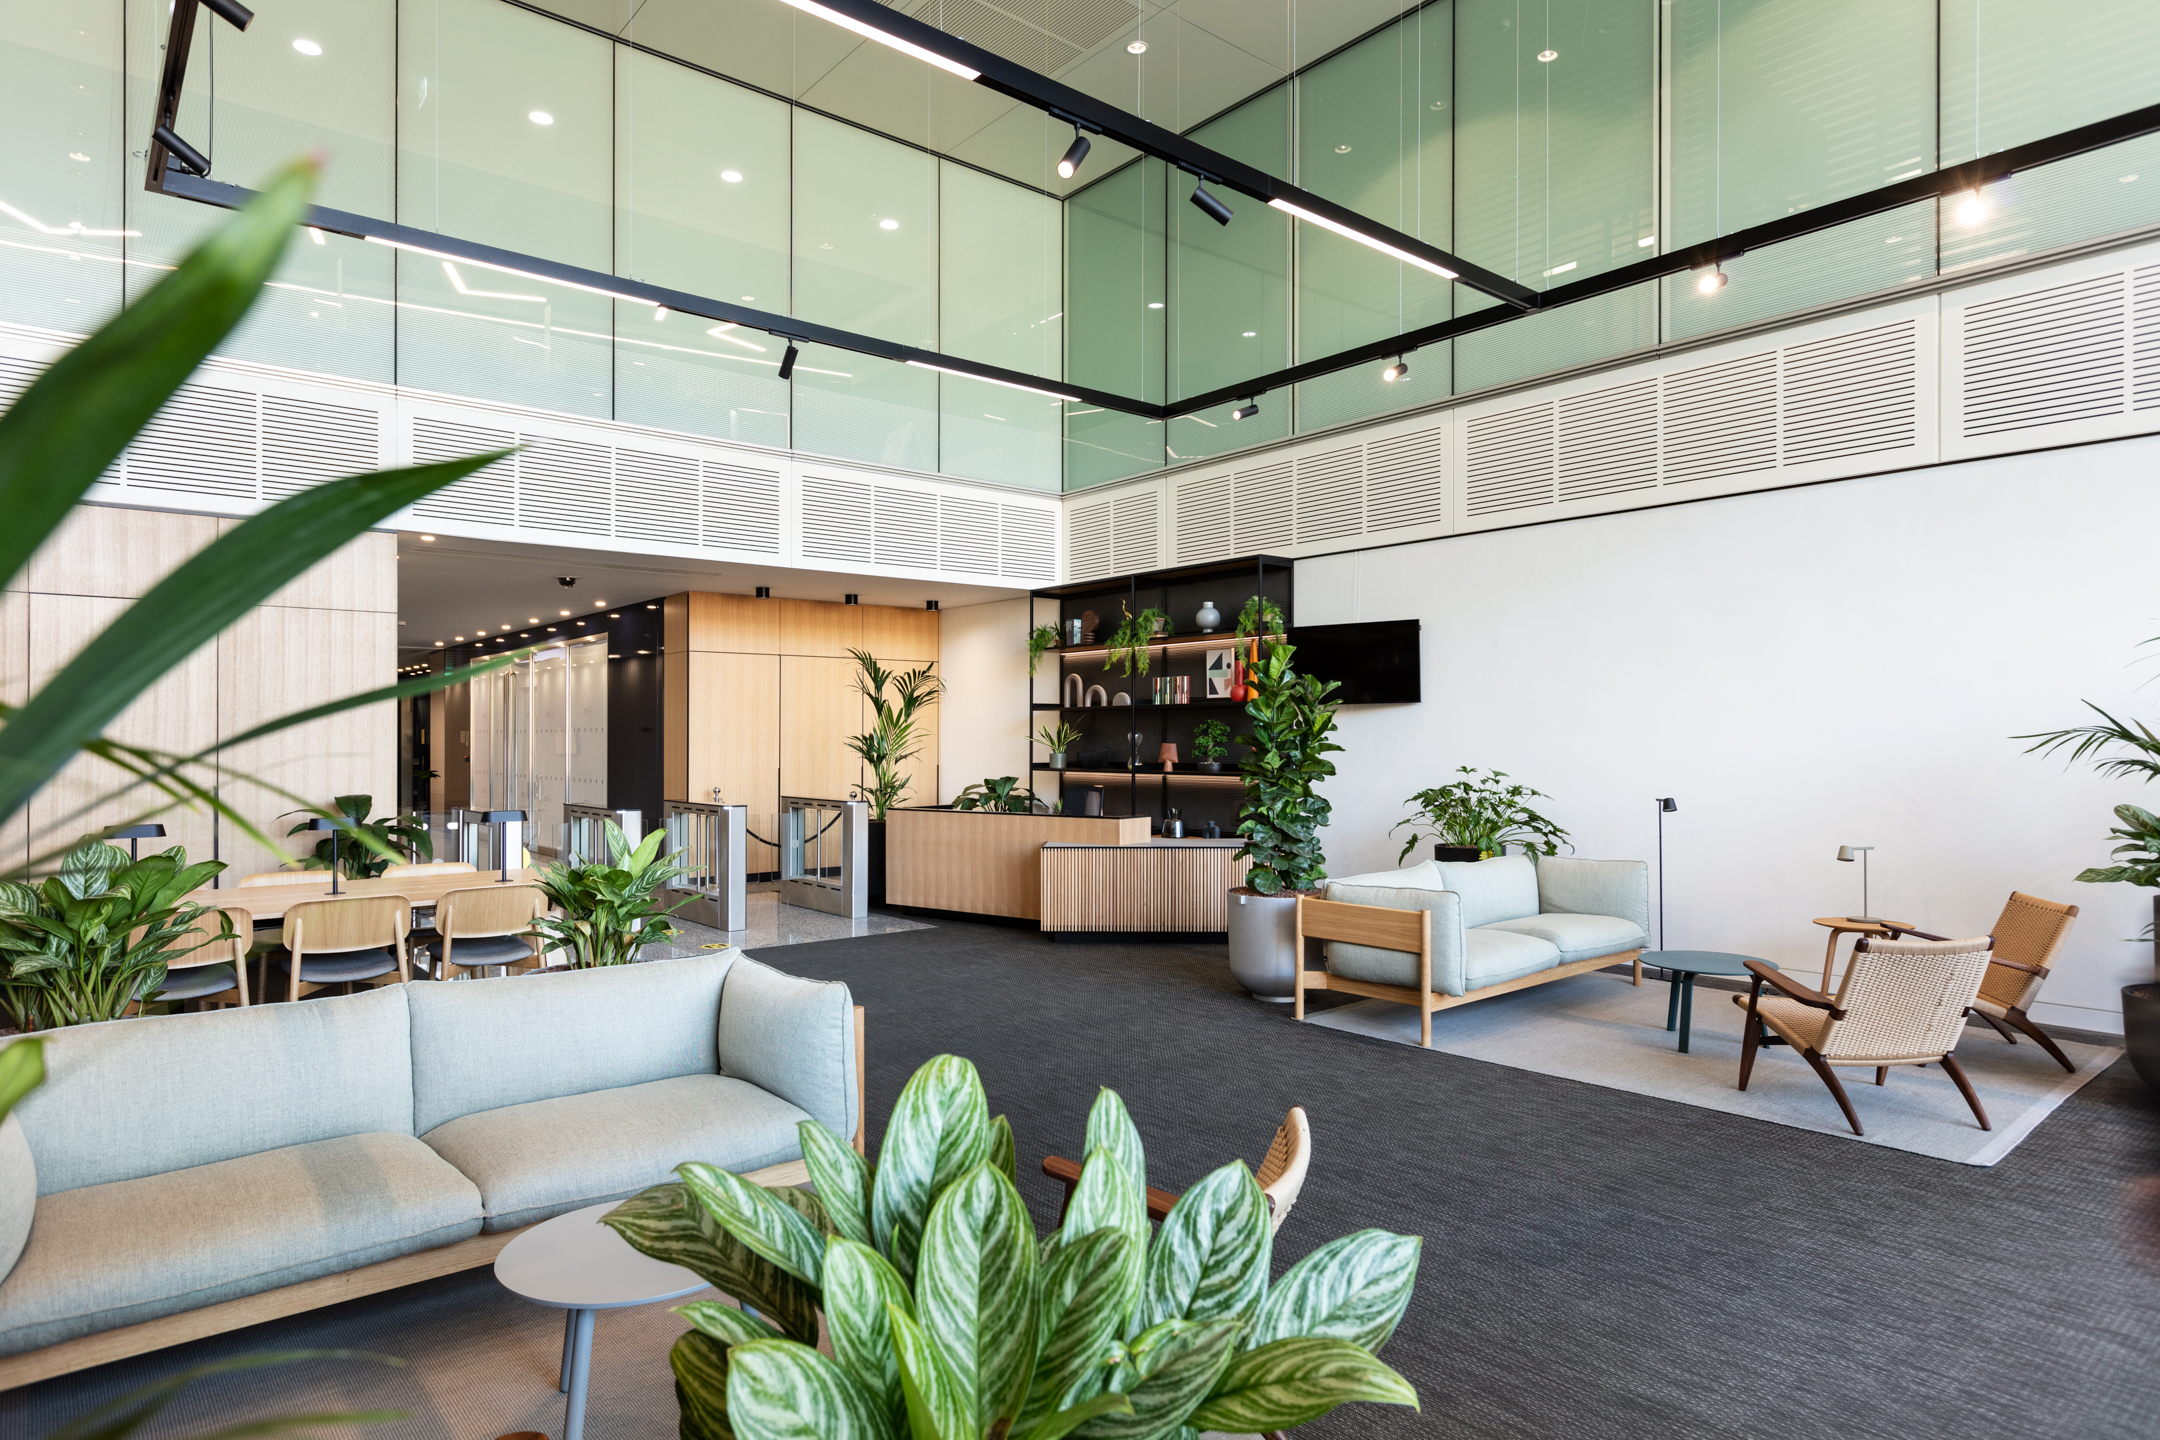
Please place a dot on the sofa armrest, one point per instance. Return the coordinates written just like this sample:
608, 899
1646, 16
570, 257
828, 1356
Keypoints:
18, 1193
1448, 963
1569, 885
795, 1038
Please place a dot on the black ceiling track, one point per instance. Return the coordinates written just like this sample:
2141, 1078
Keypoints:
171, 173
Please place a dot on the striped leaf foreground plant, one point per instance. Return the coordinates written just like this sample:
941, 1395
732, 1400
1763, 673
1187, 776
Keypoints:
950, 1319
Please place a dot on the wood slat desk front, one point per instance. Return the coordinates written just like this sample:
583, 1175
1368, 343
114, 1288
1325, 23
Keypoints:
269, 902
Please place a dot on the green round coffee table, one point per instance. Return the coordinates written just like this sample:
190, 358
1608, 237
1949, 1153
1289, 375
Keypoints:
1682, 966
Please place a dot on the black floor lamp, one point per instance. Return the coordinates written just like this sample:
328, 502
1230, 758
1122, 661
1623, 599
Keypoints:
1665, 806
136, 834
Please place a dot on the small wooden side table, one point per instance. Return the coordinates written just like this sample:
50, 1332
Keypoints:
1842, 925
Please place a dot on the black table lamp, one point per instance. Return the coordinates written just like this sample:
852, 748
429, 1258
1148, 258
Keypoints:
324, 822
1846, 853
1665, 806
503, 819
136, 834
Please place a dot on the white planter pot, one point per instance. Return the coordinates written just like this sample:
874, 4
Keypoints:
1263, 941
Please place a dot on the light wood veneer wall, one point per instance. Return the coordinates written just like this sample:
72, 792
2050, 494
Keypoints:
330, 633
758, 700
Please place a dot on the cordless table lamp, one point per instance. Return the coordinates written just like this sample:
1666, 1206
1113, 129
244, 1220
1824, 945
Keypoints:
1846, 853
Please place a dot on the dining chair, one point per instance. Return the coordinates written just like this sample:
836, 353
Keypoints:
213, 968
351, 940
1901, 1002
483, 926
1281, 1173
2028, 935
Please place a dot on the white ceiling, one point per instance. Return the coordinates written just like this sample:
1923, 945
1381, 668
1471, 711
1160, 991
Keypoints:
1203, 57
449, 587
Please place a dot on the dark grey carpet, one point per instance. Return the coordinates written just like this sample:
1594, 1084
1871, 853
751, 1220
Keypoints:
1596, 1263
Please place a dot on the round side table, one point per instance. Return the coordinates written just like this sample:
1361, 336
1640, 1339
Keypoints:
576, 1264
1846, 925
1683, 966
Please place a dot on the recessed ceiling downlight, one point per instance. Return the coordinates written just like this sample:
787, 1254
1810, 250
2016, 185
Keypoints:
1138, 47
541, 117
307, 47
888, 224
733, 177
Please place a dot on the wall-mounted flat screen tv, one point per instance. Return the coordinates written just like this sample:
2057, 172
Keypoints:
1375, 662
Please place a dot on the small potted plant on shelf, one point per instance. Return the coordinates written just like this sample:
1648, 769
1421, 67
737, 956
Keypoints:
1210, 742
1129, 645
1058, 739
1040, 642
1478, 817
1003, 796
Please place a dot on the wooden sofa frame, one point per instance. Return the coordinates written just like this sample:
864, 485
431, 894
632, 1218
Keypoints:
1409, 931
84, 1351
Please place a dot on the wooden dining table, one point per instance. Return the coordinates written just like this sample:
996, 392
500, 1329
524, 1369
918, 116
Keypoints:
269, 902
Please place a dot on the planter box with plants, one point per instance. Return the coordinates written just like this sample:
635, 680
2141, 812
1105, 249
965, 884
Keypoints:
889, 743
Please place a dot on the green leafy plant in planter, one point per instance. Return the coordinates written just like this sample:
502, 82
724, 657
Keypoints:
889, 743
365, 848
1058, 739
1040, 642
1005, 795
607, 909
1282, 813
1261, 616
1211, 742
1484, 813
1128, 648
87, 943
950, 1320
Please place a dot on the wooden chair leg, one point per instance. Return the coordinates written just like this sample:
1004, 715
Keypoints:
1638, 968
1882, 1074
1997, 1025
1829, 1078
2040, 1037
1957, 1073
1748, 1043
1424, 1029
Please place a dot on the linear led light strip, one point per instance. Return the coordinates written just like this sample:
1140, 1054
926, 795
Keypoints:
1349, 234
871, 32
1008, 384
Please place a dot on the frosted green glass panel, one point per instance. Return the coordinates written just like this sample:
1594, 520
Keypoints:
1553, 159
329, 306
1000, 265
1374, 134
1879, 252
866, 236
65, 168
702, 204
1116, 320
2082, 198
858, 408
1229, 293
1361, 392
1212, 432
1571, 335
1106, 445
478, 161
996, 433
1779, 107
2015, 70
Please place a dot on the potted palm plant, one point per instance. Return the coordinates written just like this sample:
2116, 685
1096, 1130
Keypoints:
607, 909
1058, 739
1293, 723
1004, 795
1479, 817
888, 744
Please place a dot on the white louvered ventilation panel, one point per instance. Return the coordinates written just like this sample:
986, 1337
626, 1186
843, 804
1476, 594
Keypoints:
967, 533
1855, 394
1509, 462
1404, 481
2047, 357
656, 497
742, 507
1607, 441
2145, 339
906, 526
15, 377
1263, 509
1722, 419
488, 497
1200, 517
1027, 544
204, 442
1331, 495
565, 485
1087, 541
305, 442
836, 517
1135, 521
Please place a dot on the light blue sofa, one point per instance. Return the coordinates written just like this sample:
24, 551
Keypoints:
176, 1163
1497, 925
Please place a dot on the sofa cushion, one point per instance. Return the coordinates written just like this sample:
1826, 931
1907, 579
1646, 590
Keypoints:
549, 1157
485, 1047
1502, 888
793, 1037
104, 1256
1577, 937
18, 1192
260, 1079
1425, 875
1376, 966
1492, 955
1568, 885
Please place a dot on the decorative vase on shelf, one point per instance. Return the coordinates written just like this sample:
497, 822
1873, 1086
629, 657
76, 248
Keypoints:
1208, 618
1237, 678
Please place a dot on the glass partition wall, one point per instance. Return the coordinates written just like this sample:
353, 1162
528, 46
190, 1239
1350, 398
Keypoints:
1546, 142
540, 737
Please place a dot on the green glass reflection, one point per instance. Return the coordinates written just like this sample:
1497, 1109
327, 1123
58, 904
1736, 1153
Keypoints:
1577, 334
1106, 445
65, 170
1229, 290
2015, 70
866, 234
1116, 328
682, 372
2082, 198
1000, 301
1554, 158
1858, 258
855, 407
997, 433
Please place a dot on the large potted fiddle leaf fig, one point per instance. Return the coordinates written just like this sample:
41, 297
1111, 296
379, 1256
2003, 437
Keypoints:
950, 1319
1293, 728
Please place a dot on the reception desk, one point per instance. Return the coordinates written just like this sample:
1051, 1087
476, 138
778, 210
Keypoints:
984, 862
1156, 887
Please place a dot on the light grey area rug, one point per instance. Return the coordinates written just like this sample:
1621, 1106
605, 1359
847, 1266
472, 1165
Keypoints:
1601, 1030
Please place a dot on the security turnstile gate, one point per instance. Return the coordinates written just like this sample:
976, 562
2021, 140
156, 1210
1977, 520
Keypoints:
712, 843
824, 855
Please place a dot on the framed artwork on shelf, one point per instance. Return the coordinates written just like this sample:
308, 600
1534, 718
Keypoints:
1221, 671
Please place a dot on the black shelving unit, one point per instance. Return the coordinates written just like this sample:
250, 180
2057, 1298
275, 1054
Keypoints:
1120, 744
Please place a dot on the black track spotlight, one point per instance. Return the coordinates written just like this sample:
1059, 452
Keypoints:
232, 12
787, 361
1246, 411
189, 157
1211, 207
1396, 371
1074, 154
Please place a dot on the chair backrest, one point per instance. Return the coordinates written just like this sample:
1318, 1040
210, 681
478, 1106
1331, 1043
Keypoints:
285, 877
430, 867
349, 922
1282, 1173
479, 911
1905, 999
2030, 931
206, 946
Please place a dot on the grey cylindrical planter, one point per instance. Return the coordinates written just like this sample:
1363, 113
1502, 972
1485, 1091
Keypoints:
1263, 944
2141, 1030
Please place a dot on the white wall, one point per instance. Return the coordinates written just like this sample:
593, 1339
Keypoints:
983, 720
1839, 664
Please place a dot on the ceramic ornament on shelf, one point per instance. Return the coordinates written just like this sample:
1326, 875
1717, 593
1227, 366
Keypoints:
1208, 618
